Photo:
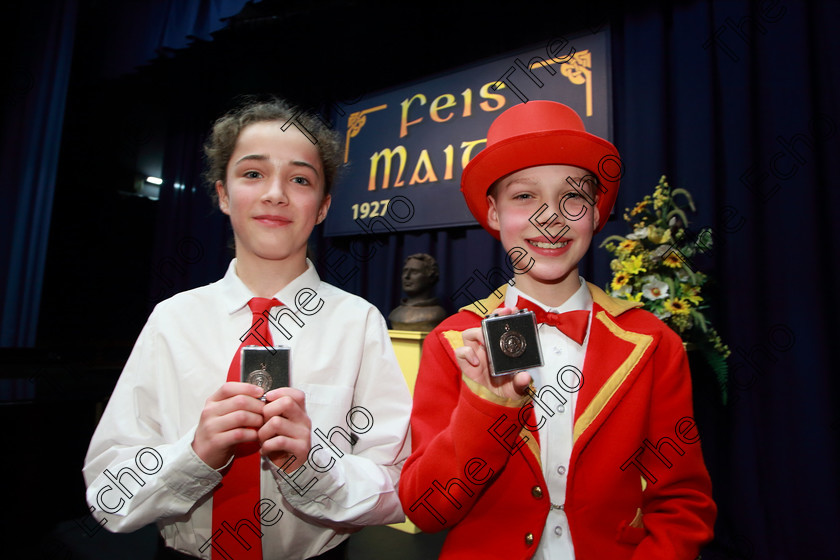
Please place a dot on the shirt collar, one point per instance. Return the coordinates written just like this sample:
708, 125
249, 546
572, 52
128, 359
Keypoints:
236, 294
580, 300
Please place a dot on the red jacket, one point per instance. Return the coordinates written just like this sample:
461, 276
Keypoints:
475, 468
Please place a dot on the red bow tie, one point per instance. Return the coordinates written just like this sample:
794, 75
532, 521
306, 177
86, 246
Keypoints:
572, 323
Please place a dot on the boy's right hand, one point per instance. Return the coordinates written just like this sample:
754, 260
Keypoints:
472, 359
231, 415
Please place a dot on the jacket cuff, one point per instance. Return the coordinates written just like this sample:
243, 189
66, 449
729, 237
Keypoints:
483, 393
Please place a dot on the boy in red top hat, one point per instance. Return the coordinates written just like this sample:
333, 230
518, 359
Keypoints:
593, 455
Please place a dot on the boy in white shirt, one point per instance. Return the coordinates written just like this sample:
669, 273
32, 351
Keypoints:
322, 457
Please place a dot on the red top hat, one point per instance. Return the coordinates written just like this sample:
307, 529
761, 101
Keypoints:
539, 133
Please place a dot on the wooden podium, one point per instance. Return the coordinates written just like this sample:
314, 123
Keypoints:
408, 346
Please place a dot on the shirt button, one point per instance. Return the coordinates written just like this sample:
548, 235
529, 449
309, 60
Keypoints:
561, 470
561, 408
558, 531
537, 492
529, 539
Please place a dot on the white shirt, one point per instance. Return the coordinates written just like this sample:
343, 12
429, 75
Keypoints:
561, 355
341, 358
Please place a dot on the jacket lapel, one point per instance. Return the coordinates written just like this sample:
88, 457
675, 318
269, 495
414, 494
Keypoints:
484, 308
613, 357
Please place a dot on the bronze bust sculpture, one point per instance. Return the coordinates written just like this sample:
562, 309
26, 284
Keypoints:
421, 310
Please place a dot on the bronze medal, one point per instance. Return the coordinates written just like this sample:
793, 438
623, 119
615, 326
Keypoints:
512, 343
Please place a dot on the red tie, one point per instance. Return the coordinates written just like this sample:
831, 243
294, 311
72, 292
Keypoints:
236, 529
571, 323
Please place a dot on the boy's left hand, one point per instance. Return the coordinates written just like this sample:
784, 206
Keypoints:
287, 428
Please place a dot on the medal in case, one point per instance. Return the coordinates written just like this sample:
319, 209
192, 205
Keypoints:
267, 368
512, 342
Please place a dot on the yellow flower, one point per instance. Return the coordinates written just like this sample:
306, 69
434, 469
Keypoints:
633, 265
659, 198
672, 260
677, 306
627, 246
692, 294
639, 208
659, 237
619, 280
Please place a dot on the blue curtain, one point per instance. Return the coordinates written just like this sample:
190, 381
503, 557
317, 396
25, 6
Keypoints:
737, 102
42, 42
140, 31
33, 114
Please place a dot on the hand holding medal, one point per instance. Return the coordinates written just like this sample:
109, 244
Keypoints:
495, 357
285, 434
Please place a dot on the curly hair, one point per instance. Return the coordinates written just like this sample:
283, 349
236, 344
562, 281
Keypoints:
221, 143
430, 265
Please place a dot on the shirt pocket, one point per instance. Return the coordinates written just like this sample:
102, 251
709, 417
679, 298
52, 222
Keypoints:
327, 407
334, 398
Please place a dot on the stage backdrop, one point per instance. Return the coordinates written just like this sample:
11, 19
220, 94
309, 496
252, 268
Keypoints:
406, 148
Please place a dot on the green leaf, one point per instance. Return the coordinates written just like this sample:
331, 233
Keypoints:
618, 238
671, 288
699, 319
720, 368
692, 277
677, 212
687, 196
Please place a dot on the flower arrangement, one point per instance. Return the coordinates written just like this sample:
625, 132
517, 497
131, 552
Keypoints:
652, 266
